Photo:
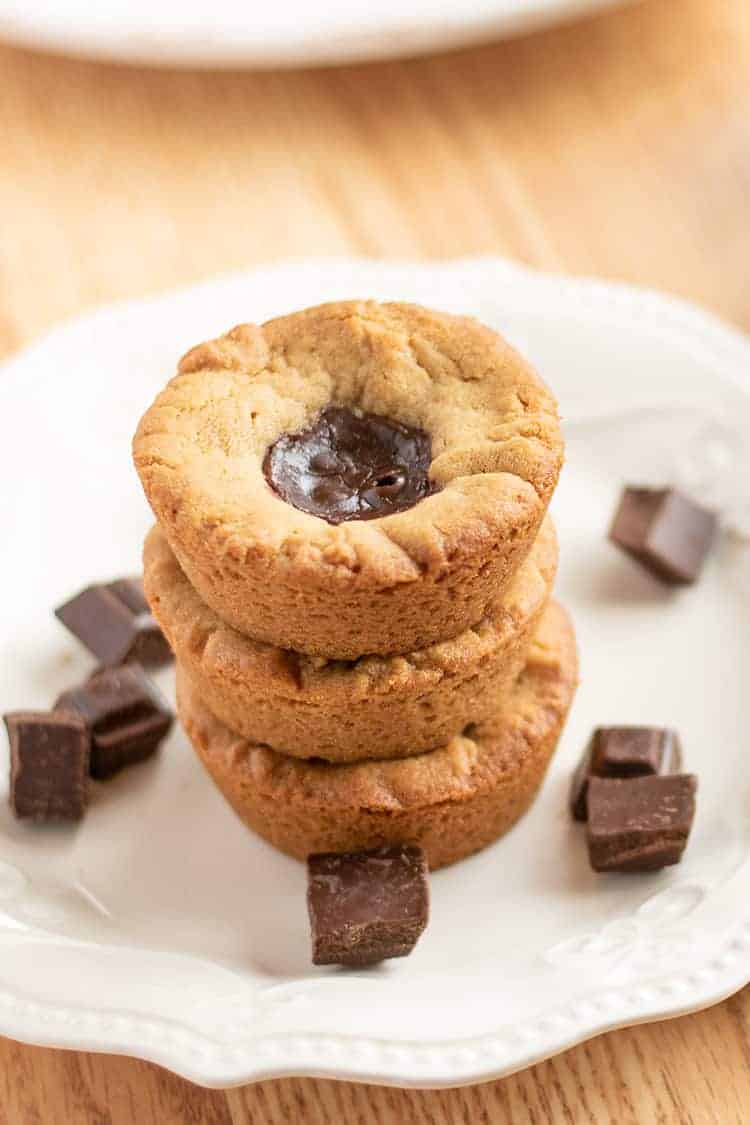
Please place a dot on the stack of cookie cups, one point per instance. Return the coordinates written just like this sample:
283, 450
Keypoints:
401, 675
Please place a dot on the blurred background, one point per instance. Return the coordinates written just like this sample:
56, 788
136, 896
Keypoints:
147, 146
616, 144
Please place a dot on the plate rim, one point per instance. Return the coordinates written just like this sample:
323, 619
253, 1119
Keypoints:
40, 30
361, 1059
196, 1056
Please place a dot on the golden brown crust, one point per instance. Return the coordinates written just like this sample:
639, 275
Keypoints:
450, 801
387, 585
375, 707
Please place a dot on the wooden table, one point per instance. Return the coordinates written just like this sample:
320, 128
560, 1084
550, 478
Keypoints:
619, 146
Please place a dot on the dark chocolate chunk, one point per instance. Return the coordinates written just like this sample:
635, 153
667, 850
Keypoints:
129, 591
115, 623
666, 532
125, 713
579, 786
49, 765
639, 823
351, 466
624, 752
366, 906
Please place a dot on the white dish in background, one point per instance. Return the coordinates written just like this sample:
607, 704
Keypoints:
161, 928
230, 33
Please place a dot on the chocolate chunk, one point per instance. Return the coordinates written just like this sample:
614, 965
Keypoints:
129, 591
639, 823
366, 906
579, 786
665, 531
351, 466
624, 752
49, 765
125, 714
115, 623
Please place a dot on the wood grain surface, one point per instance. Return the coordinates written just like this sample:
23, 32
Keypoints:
618, 146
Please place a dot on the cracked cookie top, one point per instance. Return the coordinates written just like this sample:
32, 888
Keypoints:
485, 424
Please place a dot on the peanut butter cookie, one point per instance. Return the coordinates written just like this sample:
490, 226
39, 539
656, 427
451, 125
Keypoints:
451, 801
354, 478
374, 707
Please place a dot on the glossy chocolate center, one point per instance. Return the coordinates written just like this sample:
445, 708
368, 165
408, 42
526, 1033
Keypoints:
351, 466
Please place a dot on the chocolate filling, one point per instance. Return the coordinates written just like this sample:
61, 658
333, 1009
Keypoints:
349, 466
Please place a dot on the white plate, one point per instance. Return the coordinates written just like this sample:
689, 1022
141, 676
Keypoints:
161, 928
286, 33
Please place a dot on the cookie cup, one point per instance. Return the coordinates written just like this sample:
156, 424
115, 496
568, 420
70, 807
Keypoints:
388, 585
451, 801
343, 711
